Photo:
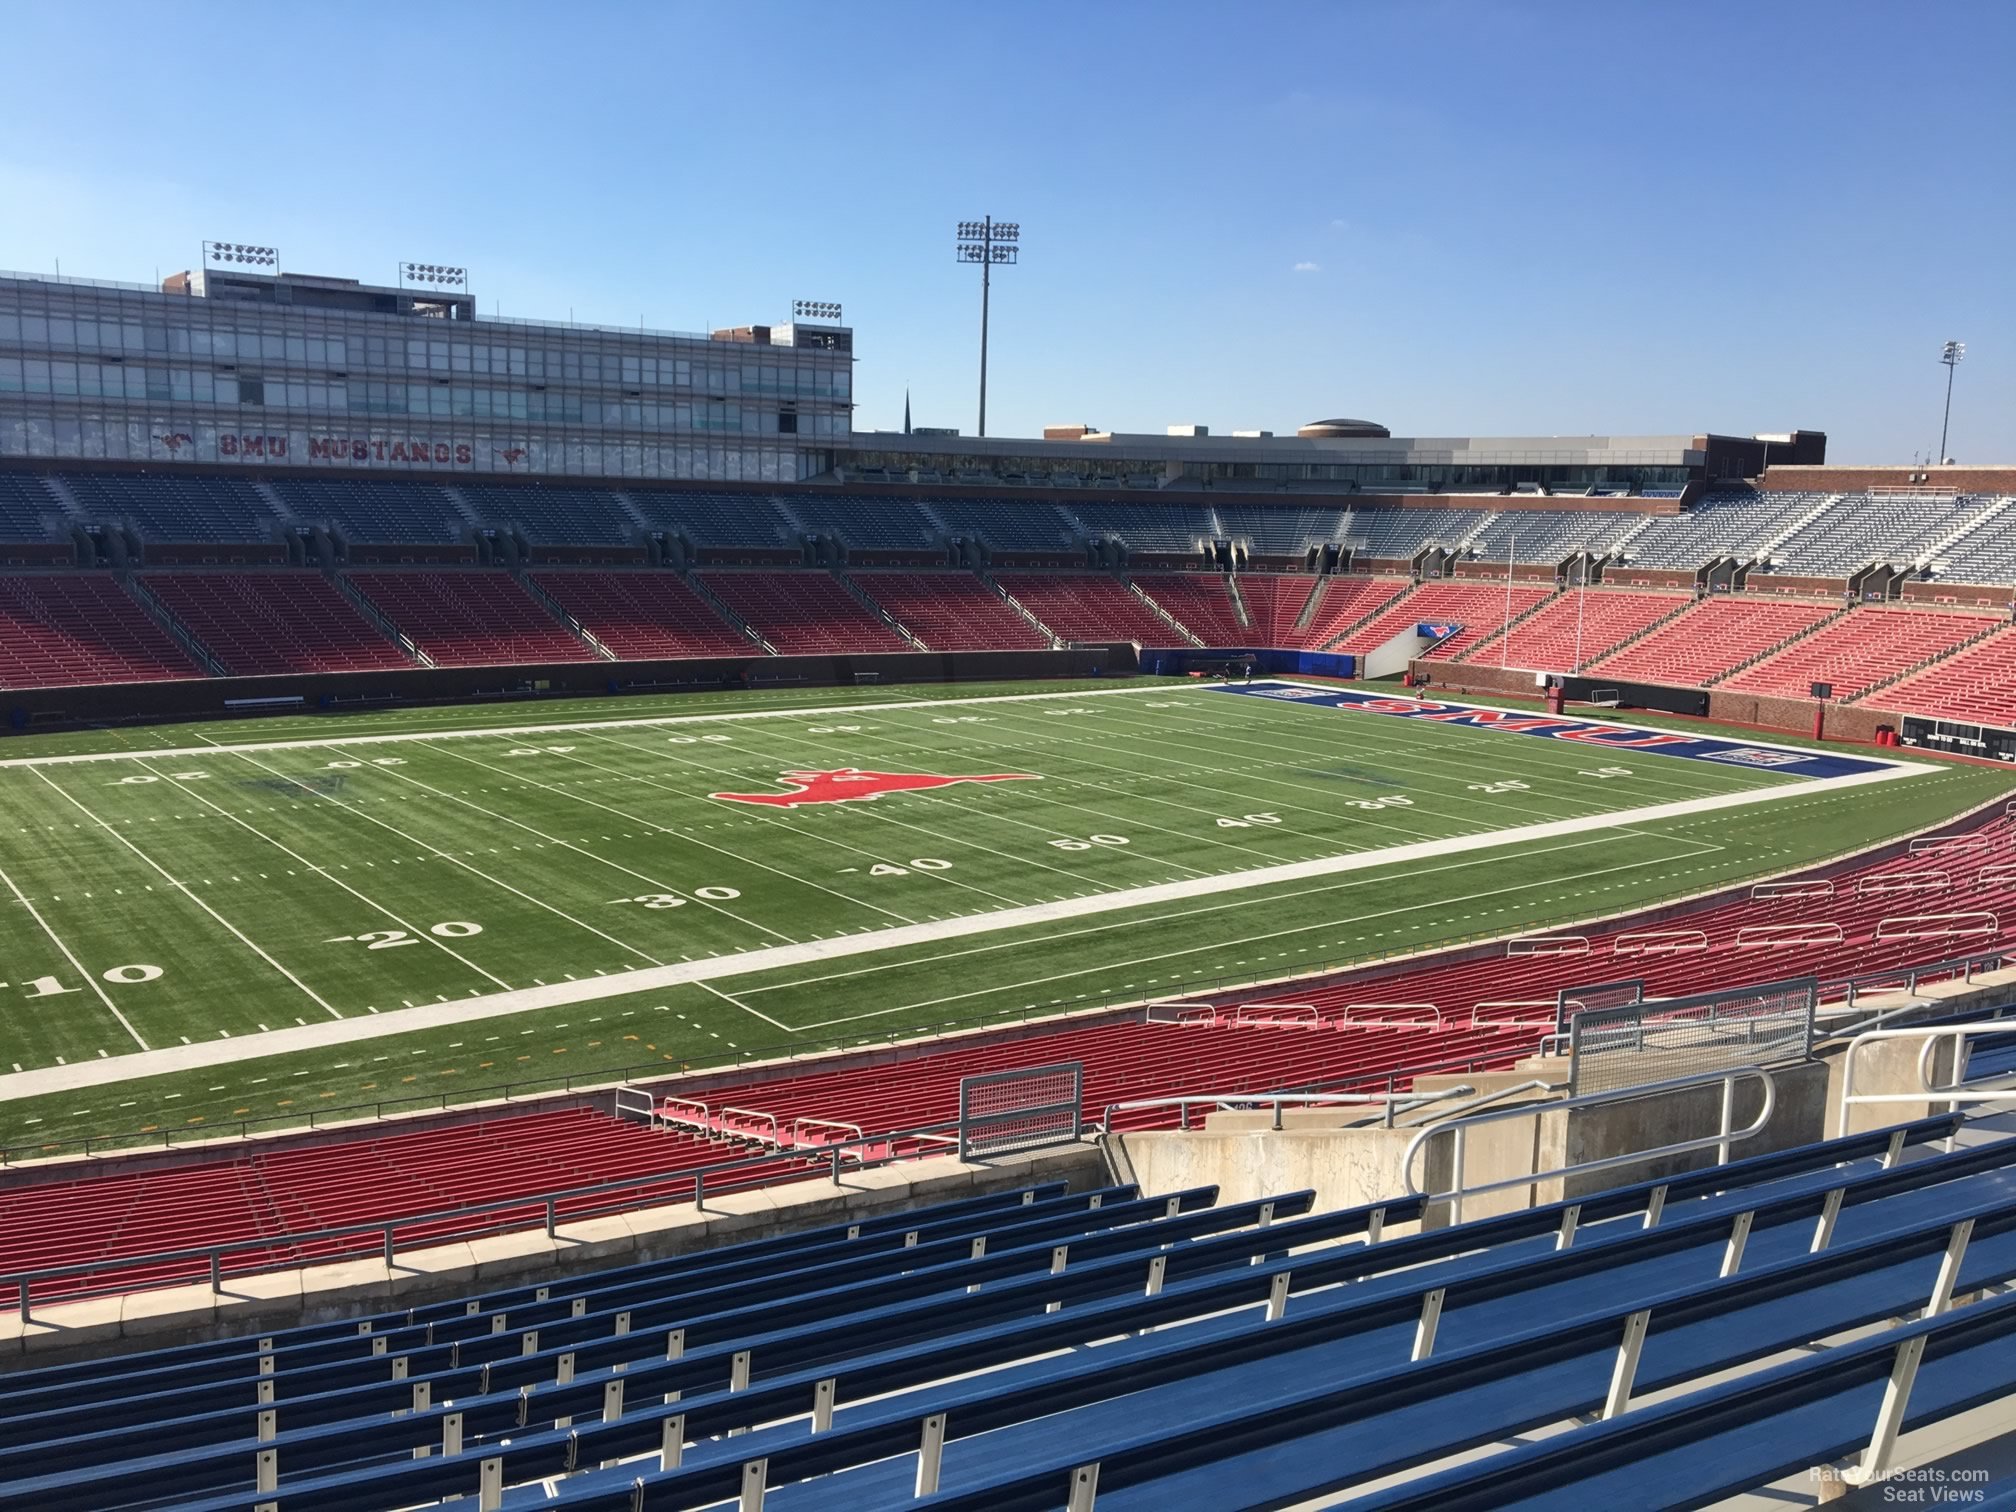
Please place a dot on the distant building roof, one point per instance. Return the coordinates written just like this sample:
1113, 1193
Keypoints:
1334, 430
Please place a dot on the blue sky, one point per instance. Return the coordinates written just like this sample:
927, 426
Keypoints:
1454, 218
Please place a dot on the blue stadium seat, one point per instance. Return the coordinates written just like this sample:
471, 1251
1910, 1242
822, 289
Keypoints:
25, 508
374, 511
177, 506
983, 1311
553, 516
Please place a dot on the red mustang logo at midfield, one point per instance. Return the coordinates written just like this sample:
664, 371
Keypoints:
847, 784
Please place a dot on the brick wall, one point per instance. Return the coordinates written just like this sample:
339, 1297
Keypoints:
1792, 715
1984, 480
1795, 715
1964, 595
1647, 577
1804, 587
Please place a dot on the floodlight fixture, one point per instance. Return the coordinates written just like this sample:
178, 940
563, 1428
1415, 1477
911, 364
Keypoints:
436, 275
240, 254
1950, 354
991, 244
815, 309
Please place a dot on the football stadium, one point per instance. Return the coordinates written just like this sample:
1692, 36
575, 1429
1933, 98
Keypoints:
585, 929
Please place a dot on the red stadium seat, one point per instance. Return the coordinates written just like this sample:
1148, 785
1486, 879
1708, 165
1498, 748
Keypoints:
470, 619
1712, 639
278, 621
952, 611
803, 613
642, 615
66, 1219
66, 629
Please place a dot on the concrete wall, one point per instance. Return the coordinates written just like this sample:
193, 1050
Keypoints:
1347, 1167
1344, 1167
206, 697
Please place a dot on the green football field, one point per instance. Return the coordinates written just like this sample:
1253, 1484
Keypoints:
278, 919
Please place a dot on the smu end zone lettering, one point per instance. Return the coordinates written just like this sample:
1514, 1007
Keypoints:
1519, 724
1610, 737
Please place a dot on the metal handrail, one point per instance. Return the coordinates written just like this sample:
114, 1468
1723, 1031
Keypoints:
1483, 1100
1958, 1092
21, 1282
755, 1116
1235, 1101
1967, 964
1458, 1129
800, 1126
670, 1113
650, 1109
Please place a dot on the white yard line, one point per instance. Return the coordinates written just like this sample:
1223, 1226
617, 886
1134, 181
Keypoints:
455, 860
417, 931
659, 978
735, 1002
89, 980
684, 838
581, 850
1241, 941
1244, 942
217, 748
190, 893
1042, 741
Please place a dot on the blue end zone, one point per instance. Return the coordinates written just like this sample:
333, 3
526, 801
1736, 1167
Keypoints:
1789, 760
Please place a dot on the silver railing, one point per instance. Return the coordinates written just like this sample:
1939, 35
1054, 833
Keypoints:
1458, 1129
1386, 1104
1997, 1088
1765, 1024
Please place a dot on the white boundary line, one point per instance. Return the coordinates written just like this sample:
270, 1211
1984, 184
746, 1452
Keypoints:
656, 979
583, 727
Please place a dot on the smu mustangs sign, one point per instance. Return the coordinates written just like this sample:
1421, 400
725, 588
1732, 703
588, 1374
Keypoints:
1790, 760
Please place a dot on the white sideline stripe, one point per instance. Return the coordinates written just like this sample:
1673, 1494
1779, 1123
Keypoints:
656, 979
583, 727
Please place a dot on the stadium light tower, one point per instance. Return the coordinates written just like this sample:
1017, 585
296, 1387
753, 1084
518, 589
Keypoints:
1951, 355
990, 243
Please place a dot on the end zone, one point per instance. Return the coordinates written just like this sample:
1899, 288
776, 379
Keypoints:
1754, 755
